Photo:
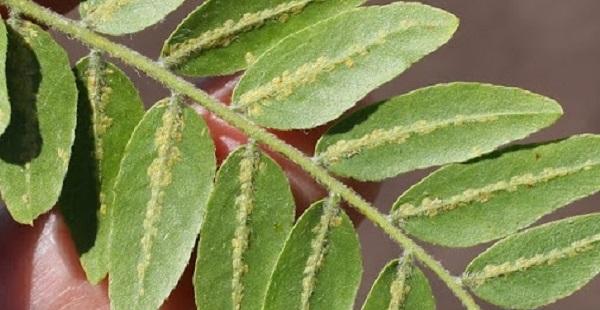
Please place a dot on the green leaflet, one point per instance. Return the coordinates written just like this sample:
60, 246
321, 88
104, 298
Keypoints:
314, 75
400, 285
109, 109
4, 104
466, 204
320, 266
538, 266
117, 17
249, 215
432, 126
223, 36
161, 191
36, 146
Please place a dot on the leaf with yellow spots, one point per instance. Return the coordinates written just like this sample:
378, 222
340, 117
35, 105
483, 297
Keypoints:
320, 266
224, 36
466, 204
249, 215
431, 126
36, 146
400, 285
312, 76
161, 191
4, 104
538, 266
117, 17
109, 108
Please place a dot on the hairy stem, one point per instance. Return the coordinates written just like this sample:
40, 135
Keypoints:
158, 72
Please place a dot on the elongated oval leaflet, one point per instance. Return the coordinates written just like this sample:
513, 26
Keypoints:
320, 266
400, 285
466, 204
249, 216
109, 108
432, 126
161, 191
224, 36
314, 75
36, 146
4, 104
117, 17
538, 266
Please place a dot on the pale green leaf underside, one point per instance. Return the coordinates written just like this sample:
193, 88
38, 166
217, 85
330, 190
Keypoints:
400, 285
109, 108
258, 235
466, 204
334, 280
314, 75
538, 266
223, 36
117, 17
161, 191
4, 104
36, 146
435, 125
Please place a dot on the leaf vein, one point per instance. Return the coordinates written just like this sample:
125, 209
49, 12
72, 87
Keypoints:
345, 149
549, 258
399, 289
99, 98
160, 177
245, 204
284, 85
329, 219
103, 11
433, 206
223, 35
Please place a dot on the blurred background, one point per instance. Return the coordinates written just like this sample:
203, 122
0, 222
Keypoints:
549, 47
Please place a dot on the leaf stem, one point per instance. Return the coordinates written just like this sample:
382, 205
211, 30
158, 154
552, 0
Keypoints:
170, 80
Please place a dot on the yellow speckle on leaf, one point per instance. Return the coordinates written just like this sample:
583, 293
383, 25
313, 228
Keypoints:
99, 96
399, 288
63, 156
285, 84
547, 258
329, 219
349, 63
26, 199
160, 177
345, 149
223, 36
432, 206
104, 11
250, 59
27, 29
244, 202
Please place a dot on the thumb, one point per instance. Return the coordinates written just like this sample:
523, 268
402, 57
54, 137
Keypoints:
40, 269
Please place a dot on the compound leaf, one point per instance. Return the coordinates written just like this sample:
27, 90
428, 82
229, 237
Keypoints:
117, 17
161, 192
249, 216
314, 75
432, 126
538, 266
400, 285
320, 266
36, 147
222, 36
109, 108
466, 204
